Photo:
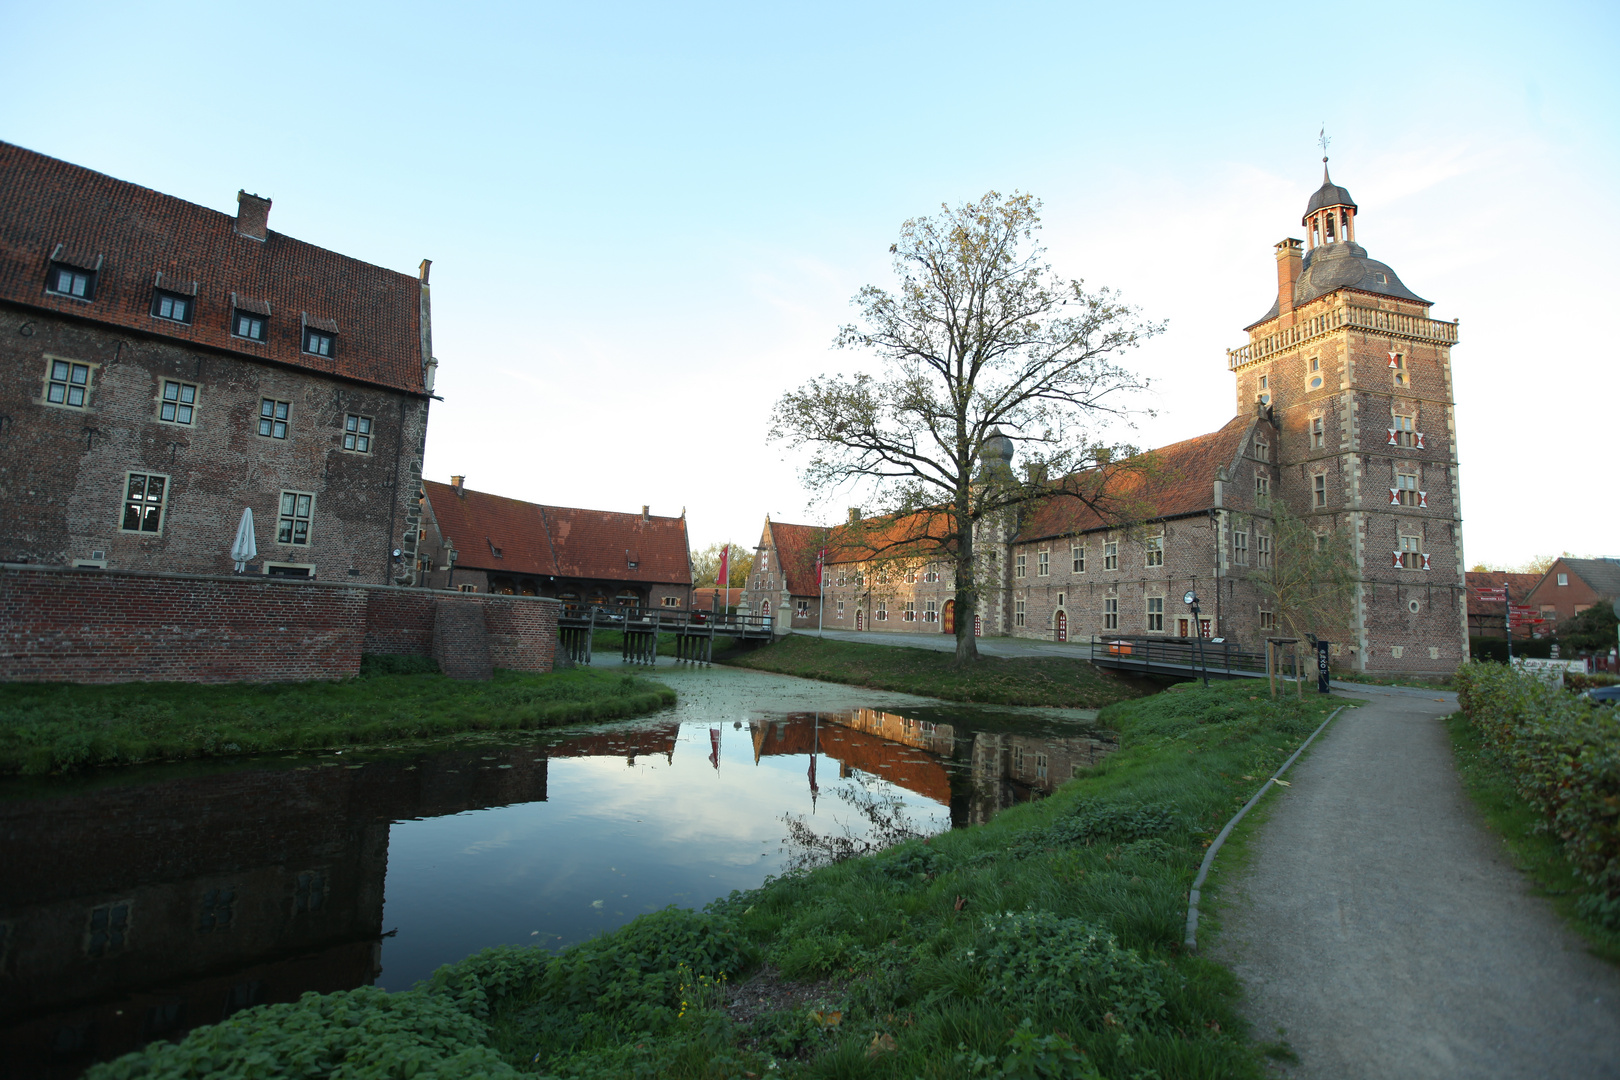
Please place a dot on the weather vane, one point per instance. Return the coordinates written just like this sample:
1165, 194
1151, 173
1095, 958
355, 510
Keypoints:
1324, 138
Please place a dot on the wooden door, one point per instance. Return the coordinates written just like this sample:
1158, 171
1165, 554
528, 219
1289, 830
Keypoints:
1062, 626
948, 619
1183, 626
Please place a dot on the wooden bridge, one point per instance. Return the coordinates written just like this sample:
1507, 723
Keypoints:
694, 631
1182, 656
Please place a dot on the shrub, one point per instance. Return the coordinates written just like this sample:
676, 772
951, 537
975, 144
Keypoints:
1564, 757
357, 1034
1035, 963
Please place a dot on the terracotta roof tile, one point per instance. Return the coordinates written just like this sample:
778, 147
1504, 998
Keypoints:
131, 235
1521, 584
797, 547
558, 541
1179, 481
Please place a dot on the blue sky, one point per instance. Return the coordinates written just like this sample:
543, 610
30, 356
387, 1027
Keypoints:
654, 216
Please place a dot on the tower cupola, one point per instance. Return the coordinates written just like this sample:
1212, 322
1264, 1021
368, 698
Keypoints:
1330, 216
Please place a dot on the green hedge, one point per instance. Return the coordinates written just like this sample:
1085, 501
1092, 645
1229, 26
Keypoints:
1564, 757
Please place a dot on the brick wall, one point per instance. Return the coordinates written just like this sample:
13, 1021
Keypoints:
89, 626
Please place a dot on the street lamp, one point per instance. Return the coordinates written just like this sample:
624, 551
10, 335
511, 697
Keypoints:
1191, 600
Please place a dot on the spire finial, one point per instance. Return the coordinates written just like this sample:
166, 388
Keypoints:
1323, 138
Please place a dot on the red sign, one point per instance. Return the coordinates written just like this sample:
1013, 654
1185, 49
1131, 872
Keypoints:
1492, 596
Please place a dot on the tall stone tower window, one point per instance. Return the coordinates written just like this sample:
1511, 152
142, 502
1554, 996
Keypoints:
1077, 557
1318, 434
1154, 546
1262, 550
1319, 490
1111, 556
1111, 613
1240, 548
1262, 485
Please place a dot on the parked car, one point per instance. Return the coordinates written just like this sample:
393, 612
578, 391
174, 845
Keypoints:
1601, 695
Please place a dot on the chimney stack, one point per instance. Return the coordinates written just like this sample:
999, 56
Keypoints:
1288, 266
252, 215
456, 483
854, 514
645, 514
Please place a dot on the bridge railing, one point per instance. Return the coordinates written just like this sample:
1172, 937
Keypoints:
662, 619
1131, 652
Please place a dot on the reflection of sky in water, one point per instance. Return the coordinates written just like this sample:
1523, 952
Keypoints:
614, 840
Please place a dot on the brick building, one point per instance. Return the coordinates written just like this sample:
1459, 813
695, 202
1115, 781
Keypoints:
597, 557
166, 366
1487, 618
1570, 586
1344, 414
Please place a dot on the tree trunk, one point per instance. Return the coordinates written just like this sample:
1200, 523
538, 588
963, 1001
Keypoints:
967, 590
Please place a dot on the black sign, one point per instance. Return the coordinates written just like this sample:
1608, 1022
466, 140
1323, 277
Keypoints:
1322, 666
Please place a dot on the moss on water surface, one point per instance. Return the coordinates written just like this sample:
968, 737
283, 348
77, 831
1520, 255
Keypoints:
1045, 943
51, 727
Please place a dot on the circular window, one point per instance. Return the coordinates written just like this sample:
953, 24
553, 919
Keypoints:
1412, 606
1316, 382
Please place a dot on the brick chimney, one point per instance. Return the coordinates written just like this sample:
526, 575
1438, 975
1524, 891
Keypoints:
1288, 265
646, 514
854, 514
252, 215
456, 485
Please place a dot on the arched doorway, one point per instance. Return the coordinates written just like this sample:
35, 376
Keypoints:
1062, 626
948, 619
860, 619
765, 611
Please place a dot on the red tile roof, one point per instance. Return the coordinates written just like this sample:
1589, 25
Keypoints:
797, 547
52, 209
558, 541
1520, 584
1171, 481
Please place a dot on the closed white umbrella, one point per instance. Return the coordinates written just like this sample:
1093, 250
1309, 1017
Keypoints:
244, 547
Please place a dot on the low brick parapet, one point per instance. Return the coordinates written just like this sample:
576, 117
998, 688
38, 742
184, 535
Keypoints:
62, 624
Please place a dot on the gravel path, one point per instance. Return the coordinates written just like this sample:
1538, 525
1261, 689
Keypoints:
1389, 934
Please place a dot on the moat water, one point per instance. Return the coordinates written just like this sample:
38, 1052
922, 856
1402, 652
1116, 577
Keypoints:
136, 904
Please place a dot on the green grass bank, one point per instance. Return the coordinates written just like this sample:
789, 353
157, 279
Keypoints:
51, 727
994, 680
1046, 943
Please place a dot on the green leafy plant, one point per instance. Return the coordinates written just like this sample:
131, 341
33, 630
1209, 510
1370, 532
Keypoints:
1564, 756
1041, 964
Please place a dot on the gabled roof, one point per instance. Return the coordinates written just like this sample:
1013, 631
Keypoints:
1180, 481
131, 234
502, 535
1520, 584
797, 547
1602, 576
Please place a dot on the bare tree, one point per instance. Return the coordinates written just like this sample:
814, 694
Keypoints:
981, 340
1312, 577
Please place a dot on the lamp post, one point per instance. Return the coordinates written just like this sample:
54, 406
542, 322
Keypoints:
1191, 600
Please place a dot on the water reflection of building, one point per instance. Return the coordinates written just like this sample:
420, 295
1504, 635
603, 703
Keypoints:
1010, 769
975, 773
139, 911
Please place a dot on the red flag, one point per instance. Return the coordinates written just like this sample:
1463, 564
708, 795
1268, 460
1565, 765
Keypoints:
714, 743
724, 581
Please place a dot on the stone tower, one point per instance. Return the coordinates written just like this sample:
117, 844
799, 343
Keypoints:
1357, 379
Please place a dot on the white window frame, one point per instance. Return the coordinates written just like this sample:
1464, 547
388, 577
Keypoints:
128, 500
1111, 555
1018, 613
910, 612
1319, 489
840, 614
181, 411
1240, 547
1155, 614
1043, 563
1153, 550
67, 383
308, 517
1262, 550
1262, 484
882, 611
1020, 565
670, 601
1077, 558
359, 432
1110, 613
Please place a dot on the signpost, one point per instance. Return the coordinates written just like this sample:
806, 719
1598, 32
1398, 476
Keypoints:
1322, 667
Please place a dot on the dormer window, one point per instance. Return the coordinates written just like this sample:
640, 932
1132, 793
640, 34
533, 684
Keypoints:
172, 306
250, 325
74, 281
1378, 276
318, 342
